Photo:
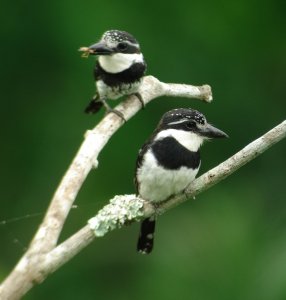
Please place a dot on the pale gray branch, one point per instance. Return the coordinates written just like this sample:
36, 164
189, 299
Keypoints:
117, 213
33, 267
86, 158
44, 256
196, 187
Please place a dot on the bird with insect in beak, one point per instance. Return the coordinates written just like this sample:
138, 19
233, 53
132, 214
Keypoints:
118, 71
169, 161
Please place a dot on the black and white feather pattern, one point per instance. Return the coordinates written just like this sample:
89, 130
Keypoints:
169, 161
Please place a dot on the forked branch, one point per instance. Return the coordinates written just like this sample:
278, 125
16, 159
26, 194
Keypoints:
44, 256
33, 267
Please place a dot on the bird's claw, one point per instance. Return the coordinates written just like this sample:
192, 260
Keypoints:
138, 95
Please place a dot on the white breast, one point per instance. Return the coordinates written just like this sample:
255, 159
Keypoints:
115, 92
157, 184
119, 62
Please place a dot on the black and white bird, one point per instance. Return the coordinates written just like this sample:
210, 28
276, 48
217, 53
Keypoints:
169, 161
119, 69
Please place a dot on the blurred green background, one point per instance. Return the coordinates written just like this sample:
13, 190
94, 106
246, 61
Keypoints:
230, 243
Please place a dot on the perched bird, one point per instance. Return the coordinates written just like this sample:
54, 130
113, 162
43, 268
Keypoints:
119, 69
169, 161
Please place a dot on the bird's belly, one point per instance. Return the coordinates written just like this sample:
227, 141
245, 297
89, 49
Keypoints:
115, 92
157, 183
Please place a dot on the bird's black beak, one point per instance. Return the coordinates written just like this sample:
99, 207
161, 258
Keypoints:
99, 49
210, 131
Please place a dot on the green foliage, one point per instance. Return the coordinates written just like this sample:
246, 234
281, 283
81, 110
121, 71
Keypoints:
230, 242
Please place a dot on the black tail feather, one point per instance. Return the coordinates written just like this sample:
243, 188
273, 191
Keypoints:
93, 107
146, 237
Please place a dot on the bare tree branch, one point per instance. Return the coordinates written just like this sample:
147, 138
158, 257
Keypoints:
86, 158
33, 267
44, 256
117, 212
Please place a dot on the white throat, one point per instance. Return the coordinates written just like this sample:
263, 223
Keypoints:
119, 62
188, 139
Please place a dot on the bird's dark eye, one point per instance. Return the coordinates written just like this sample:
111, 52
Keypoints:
190, 124
122, 46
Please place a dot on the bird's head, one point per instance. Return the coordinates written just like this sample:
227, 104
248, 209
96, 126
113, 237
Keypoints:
188, 126
117, 50
115, 41
191, 120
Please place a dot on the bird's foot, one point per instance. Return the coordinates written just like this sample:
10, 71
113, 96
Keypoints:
138, 95
96, 104
117, 112
109, 109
